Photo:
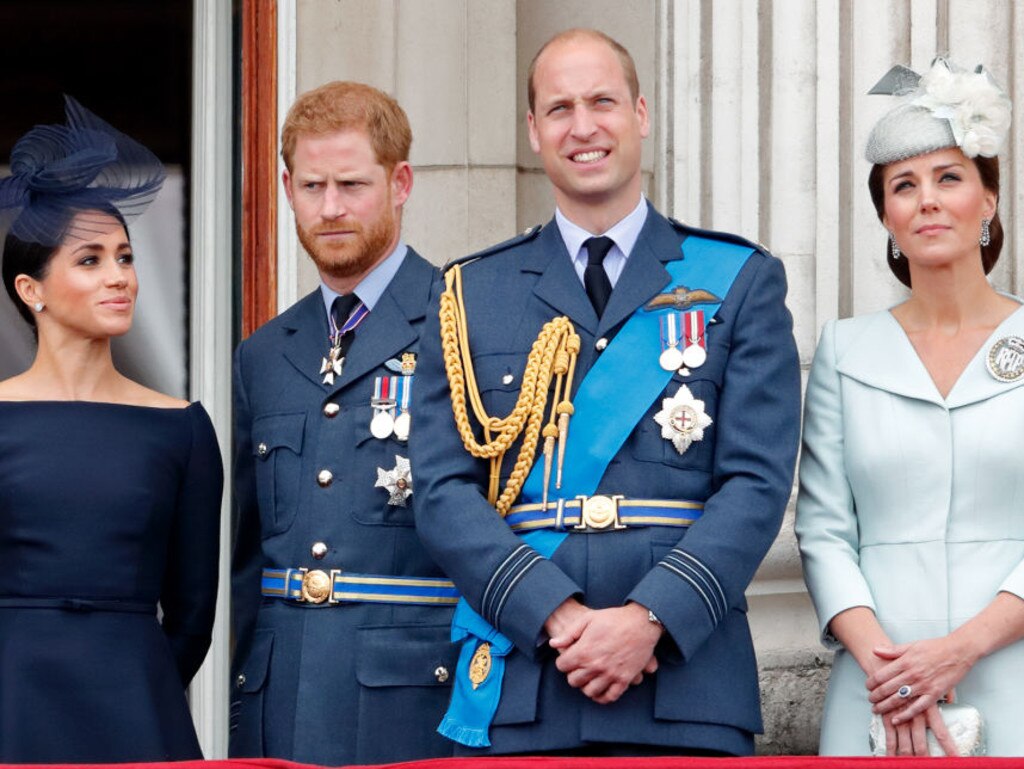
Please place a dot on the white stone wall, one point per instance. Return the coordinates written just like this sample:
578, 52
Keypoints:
760, 117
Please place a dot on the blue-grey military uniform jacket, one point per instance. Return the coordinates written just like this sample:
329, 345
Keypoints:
330, 684
705, 693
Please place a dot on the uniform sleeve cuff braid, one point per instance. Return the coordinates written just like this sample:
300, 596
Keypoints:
687, 598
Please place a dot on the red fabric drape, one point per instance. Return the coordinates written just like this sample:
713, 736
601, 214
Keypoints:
767, 762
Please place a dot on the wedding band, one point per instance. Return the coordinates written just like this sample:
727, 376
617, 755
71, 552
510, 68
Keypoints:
904, 691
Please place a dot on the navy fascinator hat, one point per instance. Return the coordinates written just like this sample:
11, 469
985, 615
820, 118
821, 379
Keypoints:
60, 172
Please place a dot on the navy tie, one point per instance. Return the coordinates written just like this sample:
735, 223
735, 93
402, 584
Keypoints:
341, 308
595, 279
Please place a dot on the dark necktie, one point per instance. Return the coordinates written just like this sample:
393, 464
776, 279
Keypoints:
595, 279
341, 308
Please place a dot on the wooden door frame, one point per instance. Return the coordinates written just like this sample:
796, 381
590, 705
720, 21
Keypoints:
259, 163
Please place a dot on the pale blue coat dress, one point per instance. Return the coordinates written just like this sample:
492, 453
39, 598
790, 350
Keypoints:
911, 505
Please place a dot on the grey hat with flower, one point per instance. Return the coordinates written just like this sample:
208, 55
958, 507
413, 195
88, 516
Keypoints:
946, 107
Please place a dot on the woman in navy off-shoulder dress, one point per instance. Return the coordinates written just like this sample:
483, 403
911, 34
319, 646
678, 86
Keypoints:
109, 492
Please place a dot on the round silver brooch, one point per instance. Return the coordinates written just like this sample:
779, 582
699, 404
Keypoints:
1005, 359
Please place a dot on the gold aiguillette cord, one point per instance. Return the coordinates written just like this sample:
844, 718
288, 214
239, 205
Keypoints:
552, 356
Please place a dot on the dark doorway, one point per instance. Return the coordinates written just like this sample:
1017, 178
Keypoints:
130, 62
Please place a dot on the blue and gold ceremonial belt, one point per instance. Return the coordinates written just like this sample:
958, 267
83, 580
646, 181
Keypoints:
602, 512
335, 586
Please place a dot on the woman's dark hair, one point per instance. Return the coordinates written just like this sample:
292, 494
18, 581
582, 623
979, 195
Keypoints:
25, 257
22, 257
988, 169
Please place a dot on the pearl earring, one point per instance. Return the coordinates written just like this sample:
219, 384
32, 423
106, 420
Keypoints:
38, 306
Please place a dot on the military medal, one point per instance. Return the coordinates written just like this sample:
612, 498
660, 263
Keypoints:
402, 398
682, 419
331, 366
397, 482
383, 403
1005, 359
695, 352
671, 358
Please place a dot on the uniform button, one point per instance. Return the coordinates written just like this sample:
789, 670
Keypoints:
262, 449
240, 681
600, 344
441, 674
507, 379
324, 478
318, 550
331, 410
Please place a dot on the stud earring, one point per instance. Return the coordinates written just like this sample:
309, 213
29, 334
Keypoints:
38, 306
986, 232
896, 253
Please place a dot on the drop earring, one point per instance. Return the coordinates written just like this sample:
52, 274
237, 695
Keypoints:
986, 232
896, 253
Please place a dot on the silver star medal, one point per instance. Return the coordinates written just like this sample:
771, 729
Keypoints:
682, 419
397, 481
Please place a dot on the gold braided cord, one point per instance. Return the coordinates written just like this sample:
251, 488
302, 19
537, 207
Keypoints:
552, 355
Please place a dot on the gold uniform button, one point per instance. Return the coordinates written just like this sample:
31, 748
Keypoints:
318, 550
240, 681
262, 449
331, 410
441, 674
325, 478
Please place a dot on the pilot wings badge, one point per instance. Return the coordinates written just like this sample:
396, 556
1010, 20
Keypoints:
681, 298
682, 419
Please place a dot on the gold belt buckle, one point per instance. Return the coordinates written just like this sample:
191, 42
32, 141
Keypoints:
599, 513
318, 585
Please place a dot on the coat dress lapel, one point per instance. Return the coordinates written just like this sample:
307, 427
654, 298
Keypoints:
881, 356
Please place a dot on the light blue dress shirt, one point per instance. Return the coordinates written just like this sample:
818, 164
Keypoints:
372, 286
623, 233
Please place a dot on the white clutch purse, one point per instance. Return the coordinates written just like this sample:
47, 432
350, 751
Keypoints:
965, 724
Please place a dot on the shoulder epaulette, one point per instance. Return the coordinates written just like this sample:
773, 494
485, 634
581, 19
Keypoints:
728, 237
525, 236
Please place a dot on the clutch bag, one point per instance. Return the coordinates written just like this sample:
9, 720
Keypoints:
965, 724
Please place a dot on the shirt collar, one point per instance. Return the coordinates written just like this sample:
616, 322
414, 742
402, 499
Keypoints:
624, 232
371, 288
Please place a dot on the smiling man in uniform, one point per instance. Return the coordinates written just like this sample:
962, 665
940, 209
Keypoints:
604, 582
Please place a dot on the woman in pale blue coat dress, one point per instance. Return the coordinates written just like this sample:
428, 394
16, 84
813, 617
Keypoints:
911, 508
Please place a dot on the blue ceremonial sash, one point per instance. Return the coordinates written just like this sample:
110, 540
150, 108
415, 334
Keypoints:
596, 433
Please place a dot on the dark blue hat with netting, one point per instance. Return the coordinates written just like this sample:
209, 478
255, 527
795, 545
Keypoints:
66, 179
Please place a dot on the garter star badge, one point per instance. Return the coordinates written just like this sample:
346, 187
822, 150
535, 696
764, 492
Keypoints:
682, 419
397, 481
